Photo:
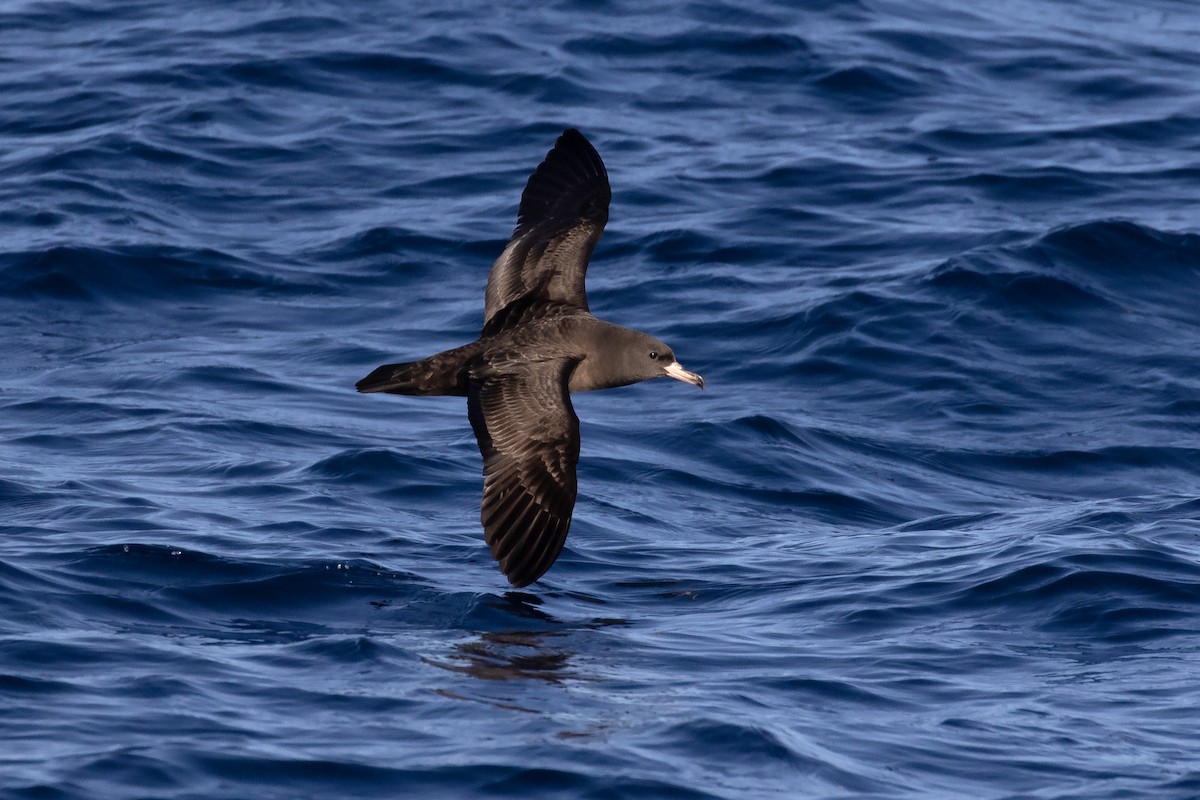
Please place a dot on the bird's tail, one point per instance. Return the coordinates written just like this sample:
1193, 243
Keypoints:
442, 374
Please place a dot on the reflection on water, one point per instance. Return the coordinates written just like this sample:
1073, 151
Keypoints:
542, 654
521, 604
510, 655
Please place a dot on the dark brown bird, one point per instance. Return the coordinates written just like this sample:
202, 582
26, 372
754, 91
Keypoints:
539, 343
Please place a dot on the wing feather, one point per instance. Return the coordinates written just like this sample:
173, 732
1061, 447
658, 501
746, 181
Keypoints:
529, 437
564, 209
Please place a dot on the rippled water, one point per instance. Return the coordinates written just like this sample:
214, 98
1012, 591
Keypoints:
932, 531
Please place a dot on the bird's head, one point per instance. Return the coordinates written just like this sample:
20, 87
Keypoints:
621, 356
647, 357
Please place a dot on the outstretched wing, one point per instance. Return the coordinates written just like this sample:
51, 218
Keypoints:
563, 212
529, 437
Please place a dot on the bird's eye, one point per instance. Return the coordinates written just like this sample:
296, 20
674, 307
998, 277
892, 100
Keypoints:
654, 354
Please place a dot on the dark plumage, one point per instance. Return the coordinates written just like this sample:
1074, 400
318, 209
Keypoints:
539, 343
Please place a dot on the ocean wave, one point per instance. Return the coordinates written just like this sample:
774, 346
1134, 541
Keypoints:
874, 83
929, 530
1117, 244
1079, 274
125, 274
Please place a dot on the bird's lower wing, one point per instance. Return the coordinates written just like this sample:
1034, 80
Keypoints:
529, 437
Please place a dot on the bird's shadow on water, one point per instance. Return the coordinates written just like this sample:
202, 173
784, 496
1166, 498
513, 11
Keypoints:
510, 655
524, 641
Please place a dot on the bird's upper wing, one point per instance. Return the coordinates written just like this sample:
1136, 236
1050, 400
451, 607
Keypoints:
563, 212
529, 437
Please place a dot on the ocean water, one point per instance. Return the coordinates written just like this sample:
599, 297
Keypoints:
932, 531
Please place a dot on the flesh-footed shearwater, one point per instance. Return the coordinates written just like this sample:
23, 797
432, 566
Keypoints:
539, 343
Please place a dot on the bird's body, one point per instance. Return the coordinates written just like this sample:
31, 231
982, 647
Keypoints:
539, 343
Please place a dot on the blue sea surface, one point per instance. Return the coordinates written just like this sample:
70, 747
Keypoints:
932, 531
